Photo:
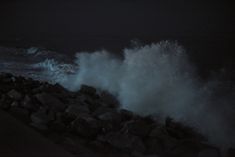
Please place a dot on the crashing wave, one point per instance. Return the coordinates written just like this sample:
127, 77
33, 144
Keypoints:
53, 71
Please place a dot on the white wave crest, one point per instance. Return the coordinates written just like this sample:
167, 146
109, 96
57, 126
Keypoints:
53, 71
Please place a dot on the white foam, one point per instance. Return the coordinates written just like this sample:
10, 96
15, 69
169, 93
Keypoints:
53, 71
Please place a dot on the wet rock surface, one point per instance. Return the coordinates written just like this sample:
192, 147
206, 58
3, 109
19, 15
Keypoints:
91, 123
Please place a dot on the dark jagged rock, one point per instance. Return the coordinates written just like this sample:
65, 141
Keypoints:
5, 102
14, 94
14, 104
29, 104
76, 110
88, 90
124, 142
86, 126
109, 100
154, 146
20, 113
49, 100
137, 127
231, 152
126, 115
91, 123
158, 132
57, 126
112, 116
209, 153
40, 117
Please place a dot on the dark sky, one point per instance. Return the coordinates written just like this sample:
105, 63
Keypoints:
91, 24
64, 18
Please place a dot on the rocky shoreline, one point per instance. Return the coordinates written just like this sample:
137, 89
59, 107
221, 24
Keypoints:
91, 123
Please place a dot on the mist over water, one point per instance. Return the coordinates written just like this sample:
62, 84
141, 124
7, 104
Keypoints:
155, 79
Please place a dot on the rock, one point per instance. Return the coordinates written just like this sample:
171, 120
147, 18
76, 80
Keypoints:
154, 146
48, 100
87, 100
180, 131
57, 126
39, 126
14, 104
76, 110
5, 102
88, 90
230, 152
86, 126
137, 127
51, 115
138, 154
102, 110
112, 116
126, 115
186, 147
160, 141
21, 113
124, 142
209, 153
65, 118
40, 117
109, 100
14, 94
103, 148
38, 89
168, 142
94, 118
77, 146
158, 131
6, 77
29, 104
5, 106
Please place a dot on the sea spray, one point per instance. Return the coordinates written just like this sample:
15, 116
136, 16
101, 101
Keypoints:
158, 79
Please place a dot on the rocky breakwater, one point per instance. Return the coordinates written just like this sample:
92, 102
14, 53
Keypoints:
91, 123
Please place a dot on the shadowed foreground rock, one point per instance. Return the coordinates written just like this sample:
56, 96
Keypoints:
86, 123
16, 139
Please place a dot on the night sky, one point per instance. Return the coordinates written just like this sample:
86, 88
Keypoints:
205, 28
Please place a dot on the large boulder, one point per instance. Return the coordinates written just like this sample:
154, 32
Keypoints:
158, 131
154, 146
109, 100
88, 90
230, 152
40, 117
187, 148
209, 153
102, 110
21, 113
126, 115
86, 126
76, 110
47, 99
180, 131
29, 104
137, 127
57, 126
124, 142
112, 116
5, 102
14, 94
